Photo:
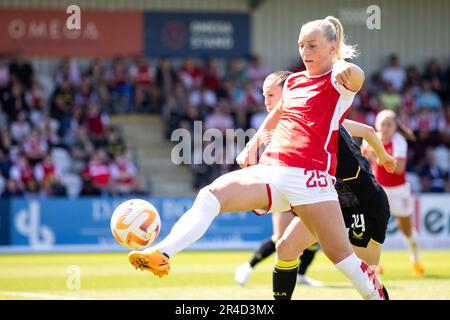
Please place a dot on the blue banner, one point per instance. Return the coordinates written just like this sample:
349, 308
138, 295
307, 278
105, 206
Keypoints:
4, 222
177, 34
85, 223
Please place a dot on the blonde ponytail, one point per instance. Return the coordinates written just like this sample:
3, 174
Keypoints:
344, 51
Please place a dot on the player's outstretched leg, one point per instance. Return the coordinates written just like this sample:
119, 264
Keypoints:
223, 195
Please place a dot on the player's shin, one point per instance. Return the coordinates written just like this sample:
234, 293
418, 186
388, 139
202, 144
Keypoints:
284, 279
362, 277
192, 225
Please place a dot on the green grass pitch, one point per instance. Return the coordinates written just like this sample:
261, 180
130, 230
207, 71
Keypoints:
201, 275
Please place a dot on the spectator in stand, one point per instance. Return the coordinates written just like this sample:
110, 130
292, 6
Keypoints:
219, 119
12, 189
61, 103
13, 101
98, 81
211, 79
145, 92
86, 94
119, 83
68, 69
412, 80
32, 190
166, 77
21, 70
76, 122
5, 163
409, 100
8, 145
434, 75
35, 146
123, 176
96, 123
81, 150
394, 73
22, 170
20, 129
434, 178
235, 72
202, 97
35, 98
49, 177
429, 99
4, 72
256, 72
190, 74
389, 98
97, 175
114, 143
446, 129
49, 128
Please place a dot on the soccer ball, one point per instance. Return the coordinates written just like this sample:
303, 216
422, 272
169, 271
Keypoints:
135, 223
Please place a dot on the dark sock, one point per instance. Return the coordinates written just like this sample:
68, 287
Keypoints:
265, 250
305, 260
284, 279
386, 295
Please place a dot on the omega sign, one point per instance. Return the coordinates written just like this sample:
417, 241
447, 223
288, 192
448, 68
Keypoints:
55, 29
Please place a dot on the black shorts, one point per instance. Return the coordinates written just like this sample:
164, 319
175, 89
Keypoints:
368, 221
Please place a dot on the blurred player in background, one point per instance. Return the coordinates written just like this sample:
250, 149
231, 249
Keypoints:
272, 92
395, 184
296, 168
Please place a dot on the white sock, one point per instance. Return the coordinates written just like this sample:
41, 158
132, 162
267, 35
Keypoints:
412, 243
362, 277
192, 225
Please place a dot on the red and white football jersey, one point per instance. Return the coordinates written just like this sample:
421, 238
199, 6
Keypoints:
306, 134
398, 148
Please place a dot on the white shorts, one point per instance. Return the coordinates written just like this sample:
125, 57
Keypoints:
288, 187
400, 200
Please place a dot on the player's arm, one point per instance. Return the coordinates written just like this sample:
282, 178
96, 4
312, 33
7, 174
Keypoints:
368, 133
248, 155
400, 167
348, 74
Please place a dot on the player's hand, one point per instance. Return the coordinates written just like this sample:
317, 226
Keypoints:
388, 162
343, 75
247, 157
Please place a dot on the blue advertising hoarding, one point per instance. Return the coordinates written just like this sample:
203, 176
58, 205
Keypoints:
177, 34
83, 225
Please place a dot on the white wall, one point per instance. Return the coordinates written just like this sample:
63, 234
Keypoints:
415, 29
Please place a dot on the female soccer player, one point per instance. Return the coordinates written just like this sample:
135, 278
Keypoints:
272, 92
395, 184
358, 216
297, 167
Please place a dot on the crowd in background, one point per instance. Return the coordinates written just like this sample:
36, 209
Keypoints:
67, 120
57, 141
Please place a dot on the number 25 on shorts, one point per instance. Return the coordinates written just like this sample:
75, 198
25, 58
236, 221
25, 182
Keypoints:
316, 179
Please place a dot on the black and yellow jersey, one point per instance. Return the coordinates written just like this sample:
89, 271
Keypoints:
355, 182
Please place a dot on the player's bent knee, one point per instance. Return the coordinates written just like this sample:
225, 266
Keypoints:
219, 193
287, 250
